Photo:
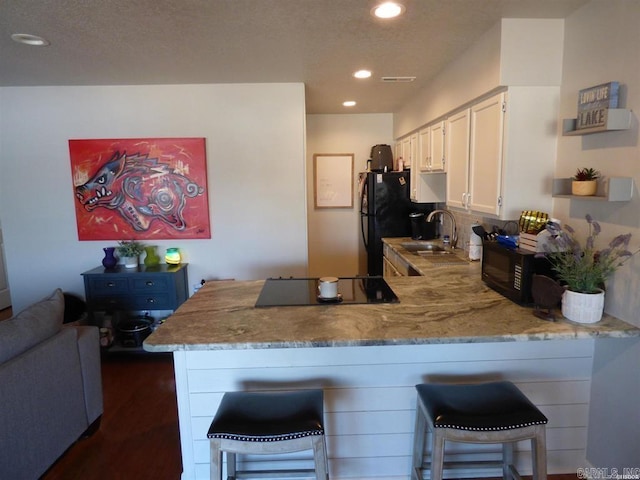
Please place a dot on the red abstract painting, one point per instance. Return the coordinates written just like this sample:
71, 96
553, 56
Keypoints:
140, 188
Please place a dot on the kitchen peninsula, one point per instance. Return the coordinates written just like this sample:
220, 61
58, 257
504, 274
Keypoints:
367, 358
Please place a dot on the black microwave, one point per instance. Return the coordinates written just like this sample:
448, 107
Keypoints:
510, 271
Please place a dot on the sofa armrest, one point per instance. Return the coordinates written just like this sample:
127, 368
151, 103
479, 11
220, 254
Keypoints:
89, 352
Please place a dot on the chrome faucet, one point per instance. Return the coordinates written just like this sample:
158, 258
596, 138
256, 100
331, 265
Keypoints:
454, 228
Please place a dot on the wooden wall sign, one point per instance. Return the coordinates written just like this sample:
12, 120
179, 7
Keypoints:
594, 103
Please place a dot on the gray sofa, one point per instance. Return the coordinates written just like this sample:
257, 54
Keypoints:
50, 387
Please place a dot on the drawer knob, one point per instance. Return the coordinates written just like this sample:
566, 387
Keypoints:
111, 284
151, 300
149, 283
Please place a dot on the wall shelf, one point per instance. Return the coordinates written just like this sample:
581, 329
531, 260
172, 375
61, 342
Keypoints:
612, 189
617, 119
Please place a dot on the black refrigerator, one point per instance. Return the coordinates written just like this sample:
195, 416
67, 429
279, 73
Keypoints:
384, 212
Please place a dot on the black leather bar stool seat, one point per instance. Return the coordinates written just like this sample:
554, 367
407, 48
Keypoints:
495, 412
268, 423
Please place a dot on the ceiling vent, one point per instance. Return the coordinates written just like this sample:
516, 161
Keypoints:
397, 79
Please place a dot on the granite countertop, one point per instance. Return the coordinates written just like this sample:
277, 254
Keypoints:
450, 305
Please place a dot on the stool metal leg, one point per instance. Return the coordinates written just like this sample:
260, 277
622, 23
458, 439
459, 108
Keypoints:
419, 438
216, 460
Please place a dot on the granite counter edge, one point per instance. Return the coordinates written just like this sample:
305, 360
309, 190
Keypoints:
580, 335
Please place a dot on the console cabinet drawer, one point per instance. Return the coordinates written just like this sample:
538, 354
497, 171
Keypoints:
164, 287
108, 286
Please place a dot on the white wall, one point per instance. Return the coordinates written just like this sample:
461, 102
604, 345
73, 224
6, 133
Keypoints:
256, 176
590, 60
335, 241
601, 45
475, 73
515, 52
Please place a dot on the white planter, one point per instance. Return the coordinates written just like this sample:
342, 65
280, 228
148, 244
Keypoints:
130, 262
583, 307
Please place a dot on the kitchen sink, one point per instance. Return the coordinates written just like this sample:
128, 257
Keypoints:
434, 252
426, 248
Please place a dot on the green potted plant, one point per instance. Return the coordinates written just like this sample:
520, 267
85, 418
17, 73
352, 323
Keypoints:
585, 182
584, 269
129, 251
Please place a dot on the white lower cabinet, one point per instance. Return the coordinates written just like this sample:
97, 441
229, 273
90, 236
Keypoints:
393, 265
388, 269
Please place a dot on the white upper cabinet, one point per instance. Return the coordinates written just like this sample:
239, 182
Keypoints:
424, 163
431, 150
414, 160
501, 153
457, 152
424, 186
485, 155
437, 157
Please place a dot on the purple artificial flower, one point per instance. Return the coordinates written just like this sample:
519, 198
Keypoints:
590, 242
620, 241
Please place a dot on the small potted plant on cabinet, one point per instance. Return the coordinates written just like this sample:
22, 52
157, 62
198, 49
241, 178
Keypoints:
130, 251
585, 182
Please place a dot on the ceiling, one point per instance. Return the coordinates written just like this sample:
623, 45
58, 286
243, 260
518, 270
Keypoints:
317, 42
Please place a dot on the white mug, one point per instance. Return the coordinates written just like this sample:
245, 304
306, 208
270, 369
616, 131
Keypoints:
328, 287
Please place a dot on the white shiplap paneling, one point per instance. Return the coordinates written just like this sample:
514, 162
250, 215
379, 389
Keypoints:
370, 399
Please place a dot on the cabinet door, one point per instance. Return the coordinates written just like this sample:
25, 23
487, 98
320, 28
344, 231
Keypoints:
406, 150
457, 151
424, 163
409, 148
388, 270
485, 172
437, 154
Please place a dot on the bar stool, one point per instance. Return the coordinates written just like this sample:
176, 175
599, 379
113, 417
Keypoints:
494, 412
268, 423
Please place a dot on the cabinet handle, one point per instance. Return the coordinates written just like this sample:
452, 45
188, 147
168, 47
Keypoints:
149, 283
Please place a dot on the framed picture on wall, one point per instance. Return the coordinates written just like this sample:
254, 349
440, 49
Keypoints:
333, 180
140, 188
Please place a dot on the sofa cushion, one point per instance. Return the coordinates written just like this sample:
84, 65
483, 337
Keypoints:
31, 326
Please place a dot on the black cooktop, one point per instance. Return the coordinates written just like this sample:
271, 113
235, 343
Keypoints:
304, 291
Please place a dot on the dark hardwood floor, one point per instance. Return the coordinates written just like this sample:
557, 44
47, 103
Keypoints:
6, 313
138, 436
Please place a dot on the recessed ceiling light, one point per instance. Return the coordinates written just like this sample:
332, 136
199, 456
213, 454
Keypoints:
349, 103
29, 39
387, 10
362, 74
